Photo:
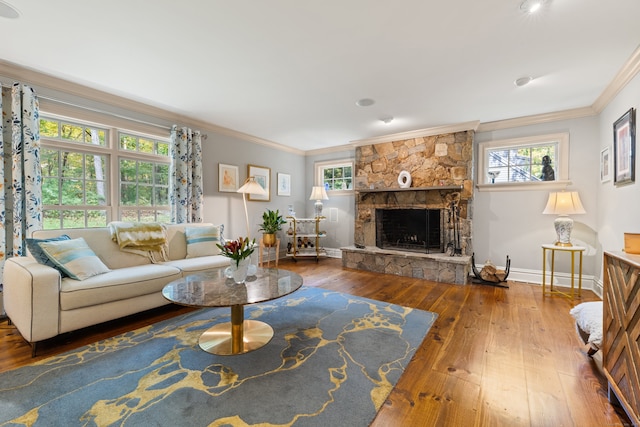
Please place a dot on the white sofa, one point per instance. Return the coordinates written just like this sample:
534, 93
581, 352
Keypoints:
42, 304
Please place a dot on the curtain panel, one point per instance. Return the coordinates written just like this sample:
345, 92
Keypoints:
185, 192
20, 173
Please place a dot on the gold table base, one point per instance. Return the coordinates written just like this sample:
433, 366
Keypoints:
236, 337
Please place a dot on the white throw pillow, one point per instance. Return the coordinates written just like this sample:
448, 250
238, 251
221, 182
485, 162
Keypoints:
201, 241
75, 257
588, 317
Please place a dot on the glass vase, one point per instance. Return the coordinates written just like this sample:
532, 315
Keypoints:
238, 272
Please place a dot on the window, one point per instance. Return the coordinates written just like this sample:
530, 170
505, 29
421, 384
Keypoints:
523, 162
144, 182
88, 179
336, 175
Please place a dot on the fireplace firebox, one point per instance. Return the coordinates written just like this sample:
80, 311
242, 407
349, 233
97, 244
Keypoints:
415, 230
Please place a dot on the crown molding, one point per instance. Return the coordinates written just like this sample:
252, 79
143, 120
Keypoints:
628, 71
575, 113
48, 83
347, 148
420, 133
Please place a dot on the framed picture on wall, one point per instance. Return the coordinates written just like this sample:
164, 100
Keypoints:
262, 176
605, 166
227, 178
624, 147
284, 184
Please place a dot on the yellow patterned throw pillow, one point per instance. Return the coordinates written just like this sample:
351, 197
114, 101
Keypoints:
75, 257
201, 241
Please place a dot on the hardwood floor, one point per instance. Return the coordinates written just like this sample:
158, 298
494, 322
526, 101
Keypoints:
494, 356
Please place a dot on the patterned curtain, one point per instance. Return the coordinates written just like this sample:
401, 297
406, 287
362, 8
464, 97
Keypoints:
185, 191
20, 174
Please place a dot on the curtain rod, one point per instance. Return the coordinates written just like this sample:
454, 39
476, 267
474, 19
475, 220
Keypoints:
109, 113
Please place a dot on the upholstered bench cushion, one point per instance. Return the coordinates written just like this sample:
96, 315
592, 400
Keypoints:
119, 284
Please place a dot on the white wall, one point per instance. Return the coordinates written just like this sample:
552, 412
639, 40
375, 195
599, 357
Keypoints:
618, 208
339, 232
511, 222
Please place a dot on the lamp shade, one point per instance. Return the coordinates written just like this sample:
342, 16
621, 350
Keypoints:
318, 193
564, 203
251, 186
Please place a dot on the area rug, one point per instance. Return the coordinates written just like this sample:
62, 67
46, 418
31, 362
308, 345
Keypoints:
333, 360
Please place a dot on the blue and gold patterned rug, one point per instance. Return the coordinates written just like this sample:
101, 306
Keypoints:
333, 360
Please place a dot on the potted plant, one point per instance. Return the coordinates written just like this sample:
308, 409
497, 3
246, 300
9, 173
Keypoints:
271, 223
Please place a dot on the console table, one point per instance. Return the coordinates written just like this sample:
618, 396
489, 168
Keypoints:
621, 340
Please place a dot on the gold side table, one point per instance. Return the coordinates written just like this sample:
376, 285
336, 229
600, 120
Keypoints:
572, 250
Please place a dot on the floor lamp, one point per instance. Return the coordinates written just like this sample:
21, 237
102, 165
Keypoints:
250, 186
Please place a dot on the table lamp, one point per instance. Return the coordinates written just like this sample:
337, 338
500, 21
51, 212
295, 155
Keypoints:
318, 194
250, 186
563, 204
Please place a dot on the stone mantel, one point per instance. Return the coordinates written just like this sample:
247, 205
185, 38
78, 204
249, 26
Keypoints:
390, 190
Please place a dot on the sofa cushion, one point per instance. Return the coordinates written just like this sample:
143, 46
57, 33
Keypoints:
117, 285
197, 265
36, 251
201, 241
74, 257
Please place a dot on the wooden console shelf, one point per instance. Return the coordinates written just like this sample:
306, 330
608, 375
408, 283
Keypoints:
621, 343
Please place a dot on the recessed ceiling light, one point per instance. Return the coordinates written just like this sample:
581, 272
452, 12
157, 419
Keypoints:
365, 102
386, 120
8, 11
531, 6
522, 81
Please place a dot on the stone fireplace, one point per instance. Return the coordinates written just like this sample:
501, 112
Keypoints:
441, 172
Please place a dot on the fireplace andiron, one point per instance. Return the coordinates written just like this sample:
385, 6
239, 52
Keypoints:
497, 278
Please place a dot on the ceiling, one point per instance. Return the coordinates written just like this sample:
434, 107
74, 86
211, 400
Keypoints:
291, 71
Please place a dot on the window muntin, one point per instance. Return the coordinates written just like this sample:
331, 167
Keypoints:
144, 190
336, 176
516, 164
140, 144
67, 131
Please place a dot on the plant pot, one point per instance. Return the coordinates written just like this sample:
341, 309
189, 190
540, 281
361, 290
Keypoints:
269, 239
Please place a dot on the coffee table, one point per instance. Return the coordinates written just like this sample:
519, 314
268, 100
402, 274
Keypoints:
213, 289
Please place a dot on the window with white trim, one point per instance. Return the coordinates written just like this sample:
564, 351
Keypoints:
336, 176
89, 179
523, 162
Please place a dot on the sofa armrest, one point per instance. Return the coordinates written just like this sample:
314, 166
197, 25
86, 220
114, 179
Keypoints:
31, 297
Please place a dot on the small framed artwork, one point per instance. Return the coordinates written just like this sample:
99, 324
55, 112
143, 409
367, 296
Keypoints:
624, 147
262, 176
605, 166
284, 184
227, 178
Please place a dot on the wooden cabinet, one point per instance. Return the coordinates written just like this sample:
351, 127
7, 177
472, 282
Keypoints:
621, 344
304, 238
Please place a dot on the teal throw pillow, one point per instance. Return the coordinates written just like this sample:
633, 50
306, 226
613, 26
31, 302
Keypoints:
201, 241
74, 257
37, 253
